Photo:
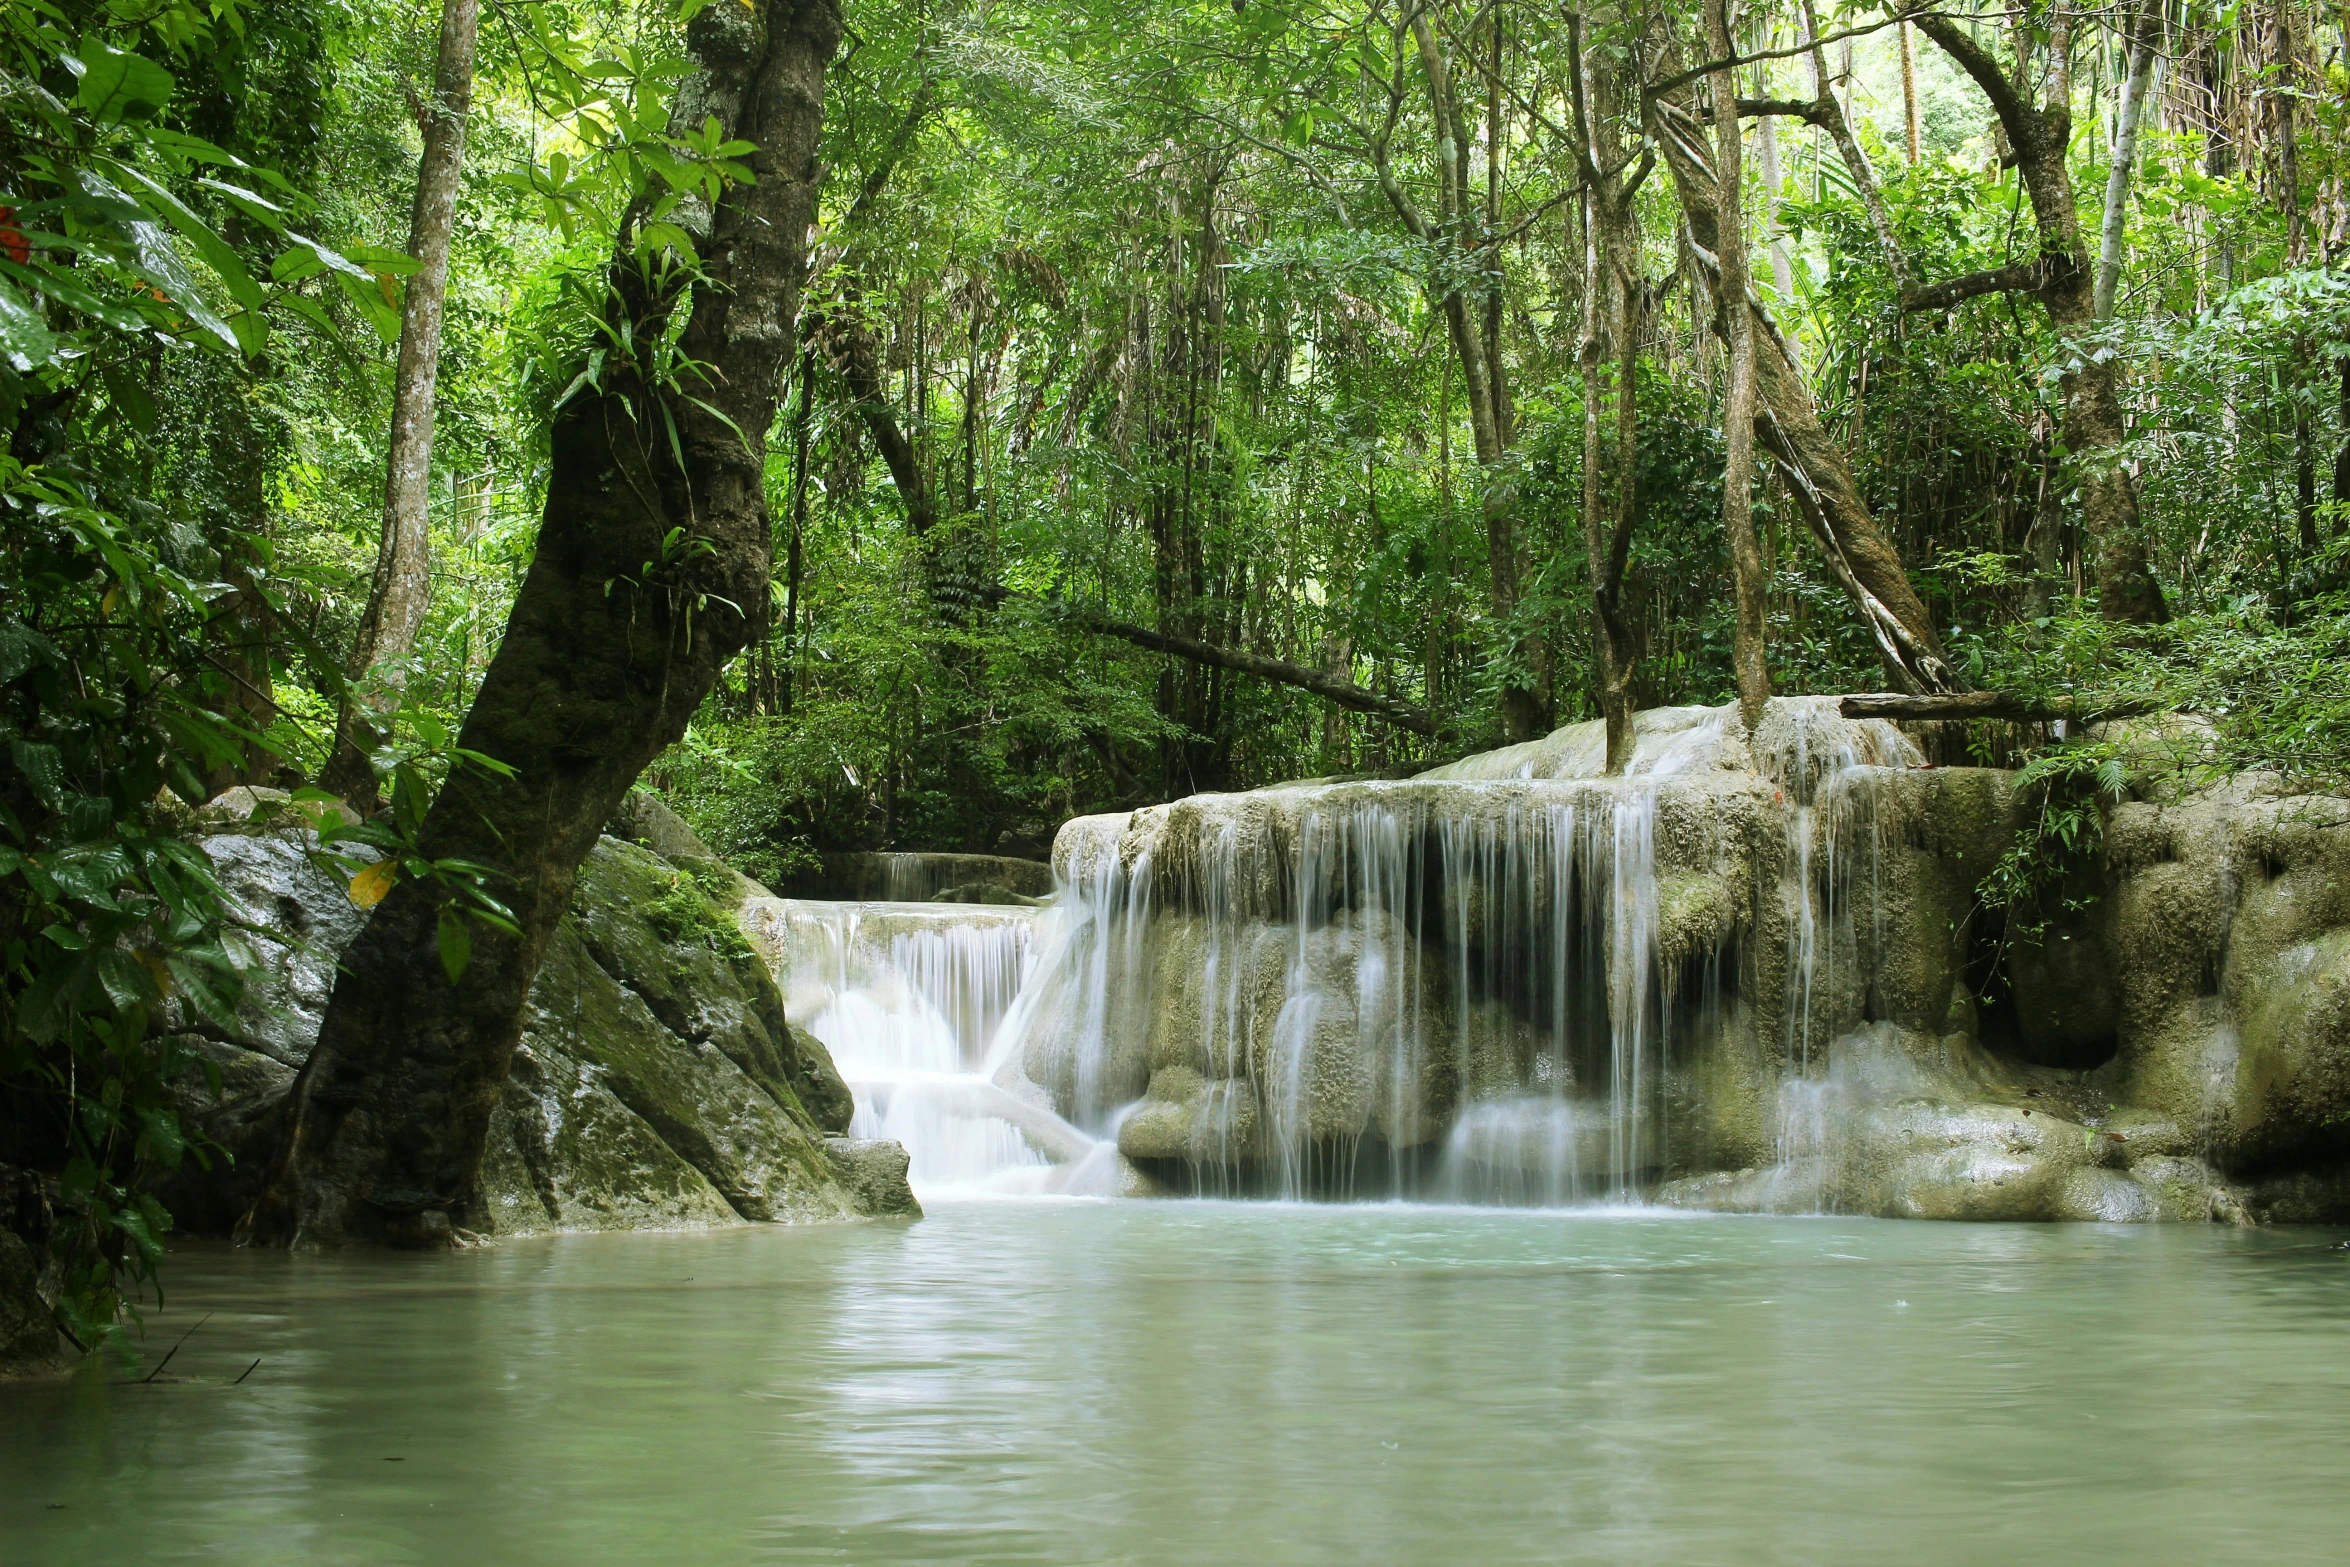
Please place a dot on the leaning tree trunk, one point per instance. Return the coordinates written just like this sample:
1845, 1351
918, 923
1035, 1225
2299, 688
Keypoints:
620, 629
1787, 424
397, 600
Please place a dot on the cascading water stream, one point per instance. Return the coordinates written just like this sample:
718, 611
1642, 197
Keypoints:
907, 998
1483, 985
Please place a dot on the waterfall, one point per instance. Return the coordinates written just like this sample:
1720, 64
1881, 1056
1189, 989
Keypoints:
1506, 981
907, 998
1448, 989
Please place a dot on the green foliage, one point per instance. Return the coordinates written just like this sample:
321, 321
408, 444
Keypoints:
2063, 794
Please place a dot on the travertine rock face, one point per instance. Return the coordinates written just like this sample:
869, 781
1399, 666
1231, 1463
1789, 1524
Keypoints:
1754, 973
657, 1084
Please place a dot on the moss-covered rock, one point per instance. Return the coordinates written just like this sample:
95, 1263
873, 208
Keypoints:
657, 1083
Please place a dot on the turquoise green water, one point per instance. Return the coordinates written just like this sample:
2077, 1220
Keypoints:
1212, 1383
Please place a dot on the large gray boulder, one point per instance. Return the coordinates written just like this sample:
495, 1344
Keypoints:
657, 1084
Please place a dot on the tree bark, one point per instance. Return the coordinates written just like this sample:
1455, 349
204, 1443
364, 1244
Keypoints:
2093, 424
1782, 266
859, 358
402, 588
634, 601
1753, 676
1909, 95
2144, 33
1787, 425
1606, 209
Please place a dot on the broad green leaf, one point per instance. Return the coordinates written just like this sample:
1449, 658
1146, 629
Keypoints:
125, 982
25, 339
217, 252
153, 256
43, 768
117, 85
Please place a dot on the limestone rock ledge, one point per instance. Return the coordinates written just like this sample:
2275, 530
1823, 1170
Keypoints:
1755, 974
657, 1084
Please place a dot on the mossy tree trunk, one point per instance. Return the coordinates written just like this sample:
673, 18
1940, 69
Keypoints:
636, 598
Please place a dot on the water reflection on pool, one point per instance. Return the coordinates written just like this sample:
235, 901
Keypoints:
1209, 1383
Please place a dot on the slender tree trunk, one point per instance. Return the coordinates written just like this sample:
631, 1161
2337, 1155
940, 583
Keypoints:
2342, 453
803, 424
1607, 261
2287, 61
1614, 701
402, 588
1525, 712
602, 665
1828, 113
1910, 119
1754, 680
2145, 31
1782, 267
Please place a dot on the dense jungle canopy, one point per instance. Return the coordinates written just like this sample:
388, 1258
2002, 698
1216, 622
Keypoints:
1150, 399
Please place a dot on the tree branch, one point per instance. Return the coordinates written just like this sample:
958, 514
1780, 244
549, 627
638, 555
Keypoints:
2018, 277
1675, 83
1799, 108
1344, 693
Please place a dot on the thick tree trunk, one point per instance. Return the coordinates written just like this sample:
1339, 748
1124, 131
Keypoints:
402, 588
618, 633
1787, 425
2062, 278
1753, 676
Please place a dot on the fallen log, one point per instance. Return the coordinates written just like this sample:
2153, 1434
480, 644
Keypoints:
1994, 704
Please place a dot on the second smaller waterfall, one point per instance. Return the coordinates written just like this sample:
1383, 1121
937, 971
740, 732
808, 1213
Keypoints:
908, 998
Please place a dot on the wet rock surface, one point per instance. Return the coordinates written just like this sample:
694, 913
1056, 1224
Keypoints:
1754, 974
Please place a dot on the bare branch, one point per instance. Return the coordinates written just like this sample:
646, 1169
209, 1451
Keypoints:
2019, 277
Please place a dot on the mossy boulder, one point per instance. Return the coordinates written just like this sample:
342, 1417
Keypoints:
657, 1083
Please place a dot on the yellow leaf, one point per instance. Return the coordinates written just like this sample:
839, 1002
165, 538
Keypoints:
372, 882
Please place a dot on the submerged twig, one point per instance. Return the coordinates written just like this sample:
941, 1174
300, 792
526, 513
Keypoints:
175, 1349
